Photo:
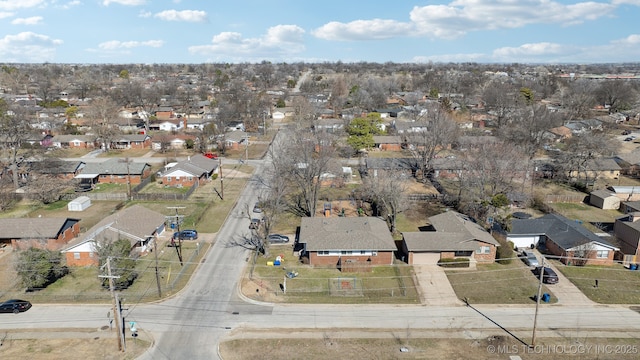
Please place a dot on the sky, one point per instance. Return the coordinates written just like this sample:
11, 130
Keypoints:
236, 31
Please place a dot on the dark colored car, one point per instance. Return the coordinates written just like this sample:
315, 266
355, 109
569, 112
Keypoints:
14, 306
185, 235
278, 239
255, 223
628, 139
548, 277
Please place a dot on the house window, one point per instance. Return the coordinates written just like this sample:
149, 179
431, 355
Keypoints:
76, 255
323, 253
168, 178
90, 254
602, 254
484, 250
190, 178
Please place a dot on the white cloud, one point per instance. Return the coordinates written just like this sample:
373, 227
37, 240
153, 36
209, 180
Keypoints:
116, 45
145, 14
459, 17
5, 14
630, 2
34, 20
28, 47
529, 51
279, 41
375, 29
19, 4
71, 4
183, 15
124, 2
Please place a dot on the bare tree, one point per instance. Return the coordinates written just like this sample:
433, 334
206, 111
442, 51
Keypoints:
15, 130
578, 98
46, 188
426, 145
303, 158
339, 93
101, 111
582, 150
617, 94
500, 100
387, 195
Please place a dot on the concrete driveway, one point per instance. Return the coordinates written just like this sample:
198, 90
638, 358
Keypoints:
434, 286
566, 292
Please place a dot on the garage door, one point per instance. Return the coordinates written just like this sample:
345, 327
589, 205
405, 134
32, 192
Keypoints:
524, 242
426, 258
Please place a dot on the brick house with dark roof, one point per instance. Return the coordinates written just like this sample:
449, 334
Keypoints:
136, 223
565, 238
134, 141
42, 233
451, 235
75, 141
334, 241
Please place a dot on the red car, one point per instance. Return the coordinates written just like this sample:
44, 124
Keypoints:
211, 155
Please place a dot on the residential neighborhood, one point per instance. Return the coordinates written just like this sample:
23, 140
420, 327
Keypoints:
412, 195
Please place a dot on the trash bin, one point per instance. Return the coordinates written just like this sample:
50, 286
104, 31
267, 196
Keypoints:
633, 267
546, 297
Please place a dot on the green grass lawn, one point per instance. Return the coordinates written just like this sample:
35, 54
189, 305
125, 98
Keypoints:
383, 284
616, 284
497, 284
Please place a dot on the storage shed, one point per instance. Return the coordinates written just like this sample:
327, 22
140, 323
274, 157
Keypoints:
80, 203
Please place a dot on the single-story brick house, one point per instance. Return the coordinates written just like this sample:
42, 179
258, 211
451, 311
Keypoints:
133, 141
195, 169
136, 223
388, 143
59, 168
75, 141
451, 235
564, 238
115, 171
42, 233
334, 241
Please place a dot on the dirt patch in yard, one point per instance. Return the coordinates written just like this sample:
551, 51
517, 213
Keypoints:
77, 344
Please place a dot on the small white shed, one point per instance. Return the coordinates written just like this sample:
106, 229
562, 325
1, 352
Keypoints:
80, 203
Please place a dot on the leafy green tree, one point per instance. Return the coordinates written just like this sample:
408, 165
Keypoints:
124, 74
122, 265
528, 95
499, 200
361, 131
38, 268
280, 103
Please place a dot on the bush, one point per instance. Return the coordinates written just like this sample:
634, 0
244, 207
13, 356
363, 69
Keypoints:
454, 263
505, 252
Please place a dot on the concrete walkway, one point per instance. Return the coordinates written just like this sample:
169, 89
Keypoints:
434, 286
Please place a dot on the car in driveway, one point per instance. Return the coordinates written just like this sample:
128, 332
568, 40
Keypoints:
256, 208
185, 235
278, 239
529, 258
548, 275
254, 224
14, 306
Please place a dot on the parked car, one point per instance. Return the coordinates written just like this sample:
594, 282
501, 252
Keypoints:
548, 277
529, 258
185, 235
254, 224
628, 139
14, 306
278, 239
256, 208
626, 132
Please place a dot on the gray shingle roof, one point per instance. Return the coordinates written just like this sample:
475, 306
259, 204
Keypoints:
346, 233
33, 228
453, 232
115, 167
135, 222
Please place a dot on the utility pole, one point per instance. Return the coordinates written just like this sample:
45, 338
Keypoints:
221, 180
155, 250
179, 245
117, 315
535, 316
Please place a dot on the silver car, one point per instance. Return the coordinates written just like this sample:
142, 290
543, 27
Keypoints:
529, 258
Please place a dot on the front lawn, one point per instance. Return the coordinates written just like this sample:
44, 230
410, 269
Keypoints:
616, 284
318, 285
497, 284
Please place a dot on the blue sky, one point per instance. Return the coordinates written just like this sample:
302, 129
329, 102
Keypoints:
200, 31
